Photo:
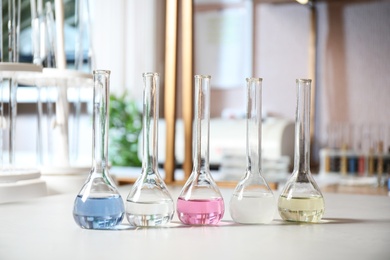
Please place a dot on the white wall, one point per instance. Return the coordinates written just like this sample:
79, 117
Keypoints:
127, 41
108, 37
281, 54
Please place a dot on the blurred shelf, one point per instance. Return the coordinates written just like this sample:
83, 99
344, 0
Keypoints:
18, 70
18, 174
58, 77
30, 95
366, 190
31, 75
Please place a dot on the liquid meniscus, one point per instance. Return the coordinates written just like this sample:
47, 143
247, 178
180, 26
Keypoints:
200, 212
98, 213
252, 209
301, 209
149, 213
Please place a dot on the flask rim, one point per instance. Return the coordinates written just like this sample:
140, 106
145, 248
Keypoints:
102, 72
202, 76
150, 74
304, 80
254, 79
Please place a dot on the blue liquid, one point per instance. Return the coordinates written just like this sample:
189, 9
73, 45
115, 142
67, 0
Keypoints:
98, 213
353, 165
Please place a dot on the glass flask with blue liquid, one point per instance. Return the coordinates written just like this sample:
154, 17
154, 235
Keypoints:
99, 205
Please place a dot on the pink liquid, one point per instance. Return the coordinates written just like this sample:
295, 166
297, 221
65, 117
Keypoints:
200, 212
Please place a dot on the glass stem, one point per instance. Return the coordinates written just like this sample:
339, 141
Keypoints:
201, 124
150, 122
2, 123
253, 127
302, 129
12, 120
13, 56
13, 30
1, 34
100, 120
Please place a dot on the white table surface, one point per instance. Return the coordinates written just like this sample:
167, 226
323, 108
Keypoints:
354, 227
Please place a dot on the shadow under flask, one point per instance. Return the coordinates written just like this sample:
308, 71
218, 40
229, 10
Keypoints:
149, 202
301, 200
200, 201
253, 201
99, 205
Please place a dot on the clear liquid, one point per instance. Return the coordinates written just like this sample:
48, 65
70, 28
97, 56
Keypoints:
200, 212
98, 213
253, 209
301, 209
149, 213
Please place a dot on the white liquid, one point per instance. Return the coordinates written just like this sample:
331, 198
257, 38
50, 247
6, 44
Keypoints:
253, 209
149, 213
306, 209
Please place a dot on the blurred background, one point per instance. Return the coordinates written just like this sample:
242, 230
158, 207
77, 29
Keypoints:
233, 39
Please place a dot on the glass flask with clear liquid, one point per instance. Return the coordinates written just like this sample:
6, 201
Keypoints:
99, 205
301, 200
149, 202
200, 201
253, 201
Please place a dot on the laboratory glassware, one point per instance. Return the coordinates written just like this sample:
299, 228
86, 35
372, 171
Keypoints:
301, 199
13, 30
253, 201
149, 202
1, 34
200, 201
13, 56
99, 205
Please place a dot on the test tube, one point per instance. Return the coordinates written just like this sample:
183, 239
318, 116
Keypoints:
352, 154
345, 137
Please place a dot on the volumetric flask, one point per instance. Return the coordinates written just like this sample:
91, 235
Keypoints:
99, 204
253, 201
149, 202
301, 199
200, 201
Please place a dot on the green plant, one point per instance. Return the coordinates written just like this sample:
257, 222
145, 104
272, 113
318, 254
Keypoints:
125, 127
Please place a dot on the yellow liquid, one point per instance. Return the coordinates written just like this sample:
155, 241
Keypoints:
309, 209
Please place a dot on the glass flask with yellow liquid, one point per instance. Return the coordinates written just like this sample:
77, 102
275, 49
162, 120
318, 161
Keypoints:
301, 199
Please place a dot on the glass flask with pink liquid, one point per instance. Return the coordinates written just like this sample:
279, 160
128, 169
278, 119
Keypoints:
200, 201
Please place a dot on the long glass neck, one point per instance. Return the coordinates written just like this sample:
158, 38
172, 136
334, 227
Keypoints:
13, 30
253, 125
150, 121
201, 123
101, 80
302, 127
